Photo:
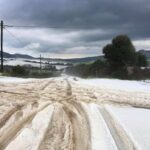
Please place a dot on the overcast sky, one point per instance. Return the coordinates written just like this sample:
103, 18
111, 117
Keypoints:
79, 27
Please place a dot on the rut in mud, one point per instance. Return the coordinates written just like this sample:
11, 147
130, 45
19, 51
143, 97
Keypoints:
60, 114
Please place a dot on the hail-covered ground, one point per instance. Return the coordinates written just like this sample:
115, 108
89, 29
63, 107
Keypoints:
69, 113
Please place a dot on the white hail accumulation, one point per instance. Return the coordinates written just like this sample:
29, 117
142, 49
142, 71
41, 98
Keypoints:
69, 113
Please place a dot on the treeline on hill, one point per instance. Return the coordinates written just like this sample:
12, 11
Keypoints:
34, 72
120, 61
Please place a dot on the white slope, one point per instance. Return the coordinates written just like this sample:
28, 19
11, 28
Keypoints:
4, 79
116, 84
135, 122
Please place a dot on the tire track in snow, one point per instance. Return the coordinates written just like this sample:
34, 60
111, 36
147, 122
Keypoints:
78, 119
9, 133
69, 128
84, 125
109, 96
80, 127
59, 133
8, 114
100, 135
31, 136
123, 141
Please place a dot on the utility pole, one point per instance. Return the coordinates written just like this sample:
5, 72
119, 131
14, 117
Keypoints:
40, 63
2, 27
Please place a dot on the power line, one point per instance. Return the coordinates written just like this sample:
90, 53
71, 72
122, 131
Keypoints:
21, 26
46, 27
17, 38
13, 35
2, 64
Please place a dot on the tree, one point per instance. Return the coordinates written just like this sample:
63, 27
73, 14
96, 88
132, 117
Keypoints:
141, 60
120, 52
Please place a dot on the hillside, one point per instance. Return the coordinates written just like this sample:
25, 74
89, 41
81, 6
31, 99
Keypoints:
83, 60
72, 60
8, 55
146, 53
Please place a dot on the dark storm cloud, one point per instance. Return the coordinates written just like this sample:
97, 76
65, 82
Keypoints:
77, 13
101, 19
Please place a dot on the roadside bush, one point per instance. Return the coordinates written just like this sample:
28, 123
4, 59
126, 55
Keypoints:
120, 73
19, 71
95, 69
79, 70
26, 72
141, 60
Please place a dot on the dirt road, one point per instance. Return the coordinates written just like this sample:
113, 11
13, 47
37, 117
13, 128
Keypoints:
62, 114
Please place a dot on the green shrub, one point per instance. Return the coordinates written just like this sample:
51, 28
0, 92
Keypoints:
19, 71
141, 60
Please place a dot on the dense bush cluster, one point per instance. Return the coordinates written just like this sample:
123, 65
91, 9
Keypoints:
22, 71
19, 71
95, 69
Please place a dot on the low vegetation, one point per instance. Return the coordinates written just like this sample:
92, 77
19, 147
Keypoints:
34, 72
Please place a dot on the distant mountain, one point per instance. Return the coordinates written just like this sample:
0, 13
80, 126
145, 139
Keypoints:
84, 60
80, 60
8, 55
73, 60
146, 53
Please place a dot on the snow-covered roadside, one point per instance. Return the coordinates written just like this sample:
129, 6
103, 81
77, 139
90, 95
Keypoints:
135, 122
116, 84
4, 79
